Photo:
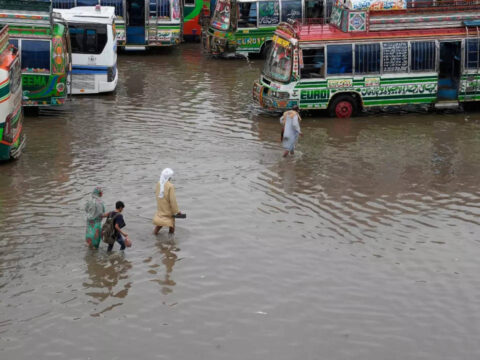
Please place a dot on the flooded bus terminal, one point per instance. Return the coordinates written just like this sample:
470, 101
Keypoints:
364, 245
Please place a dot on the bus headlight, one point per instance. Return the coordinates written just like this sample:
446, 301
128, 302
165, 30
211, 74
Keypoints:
279, 94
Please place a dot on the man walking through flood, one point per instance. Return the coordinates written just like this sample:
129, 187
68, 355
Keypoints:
167, 206
291, 130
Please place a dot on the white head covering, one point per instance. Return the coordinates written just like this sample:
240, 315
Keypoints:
167, 173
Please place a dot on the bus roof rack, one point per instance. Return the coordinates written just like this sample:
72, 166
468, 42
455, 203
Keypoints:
371, 15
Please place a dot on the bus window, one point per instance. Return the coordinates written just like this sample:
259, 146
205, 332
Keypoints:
163, 9
88, 38
423, 56
36, 56
313, 9
367, 58
247, 15
221, 16
339, 59
472, 58
291, 9
278, 65
269, 13
313, 63
189, 3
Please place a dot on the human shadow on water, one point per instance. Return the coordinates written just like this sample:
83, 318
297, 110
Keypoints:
108, 278
167, 248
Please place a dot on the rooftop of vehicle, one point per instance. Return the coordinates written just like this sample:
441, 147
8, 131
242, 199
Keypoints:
328, 32
101, 14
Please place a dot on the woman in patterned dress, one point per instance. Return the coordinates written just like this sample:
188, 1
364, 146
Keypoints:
95, 210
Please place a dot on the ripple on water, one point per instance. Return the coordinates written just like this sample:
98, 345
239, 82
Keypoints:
363, 245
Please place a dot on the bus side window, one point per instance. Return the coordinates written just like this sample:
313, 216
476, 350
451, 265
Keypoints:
423, 56
367, 58
472, 58
189, 2
339, 59
313, 63
247, 14
313, 9
36, 56
291, 10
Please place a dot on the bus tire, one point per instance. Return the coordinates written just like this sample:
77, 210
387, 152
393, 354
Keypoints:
343, 106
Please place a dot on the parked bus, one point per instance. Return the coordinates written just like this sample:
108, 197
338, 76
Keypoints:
12, 139
43, 43
194, 12
140, 23
94, 48
246, 26
367, 58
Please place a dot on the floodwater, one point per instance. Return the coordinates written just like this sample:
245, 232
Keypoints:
364, 245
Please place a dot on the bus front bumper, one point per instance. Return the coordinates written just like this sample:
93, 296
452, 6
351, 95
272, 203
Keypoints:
270, 99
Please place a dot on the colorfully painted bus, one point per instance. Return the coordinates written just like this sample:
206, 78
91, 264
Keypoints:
12, 139
140, 23
194, 11
247, 26
94, 48
402, 54
44, 47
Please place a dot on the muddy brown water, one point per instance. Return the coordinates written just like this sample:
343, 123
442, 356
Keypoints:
364, 245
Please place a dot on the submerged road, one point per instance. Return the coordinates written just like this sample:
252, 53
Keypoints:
364, 245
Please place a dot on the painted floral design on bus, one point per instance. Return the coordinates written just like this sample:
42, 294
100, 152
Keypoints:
58, 59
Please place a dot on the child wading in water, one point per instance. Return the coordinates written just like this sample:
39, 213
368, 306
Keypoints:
119, 223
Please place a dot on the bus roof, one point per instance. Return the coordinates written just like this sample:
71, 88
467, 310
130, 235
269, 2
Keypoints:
327, 33
92, 14
373, 4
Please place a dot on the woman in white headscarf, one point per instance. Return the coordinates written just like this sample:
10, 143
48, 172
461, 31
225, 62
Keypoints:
166, 203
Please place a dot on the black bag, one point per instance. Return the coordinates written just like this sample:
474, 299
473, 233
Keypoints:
109, 233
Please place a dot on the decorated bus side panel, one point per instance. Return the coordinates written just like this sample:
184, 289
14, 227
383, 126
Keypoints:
44, 67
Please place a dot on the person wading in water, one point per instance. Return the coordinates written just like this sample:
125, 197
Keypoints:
95, 209
290, 121
167, 206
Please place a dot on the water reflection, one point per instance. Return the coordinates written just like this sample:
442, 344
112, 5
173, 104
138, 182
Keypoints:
167, 250
108, 279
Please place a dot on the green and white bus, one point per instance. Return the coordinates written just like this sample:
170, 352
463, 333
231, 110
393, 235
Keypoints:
43, 43
246, 26
367, 58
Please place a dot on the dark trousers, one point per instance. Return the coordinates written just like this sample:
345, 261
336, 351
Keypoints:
120, 240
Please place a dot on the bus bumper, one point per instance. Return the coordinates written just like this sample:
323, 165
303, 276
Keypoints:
271, 100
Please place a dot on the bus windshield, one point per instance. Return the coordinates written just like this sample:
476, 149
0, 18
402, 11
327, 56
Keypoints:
221, 17
278, 64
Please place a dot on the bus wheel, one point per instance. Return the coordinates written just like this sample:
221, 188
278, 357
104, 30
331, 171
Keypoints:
343, 106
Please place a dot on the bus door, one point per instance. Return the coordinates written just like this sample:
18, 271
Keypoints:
449, 70
135, 22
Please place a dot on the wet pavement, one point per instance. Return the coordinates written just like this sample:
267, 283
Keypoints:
364, 245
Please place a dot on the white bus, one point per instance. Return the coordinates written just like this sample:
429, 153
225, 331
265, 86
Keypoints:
94, 48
